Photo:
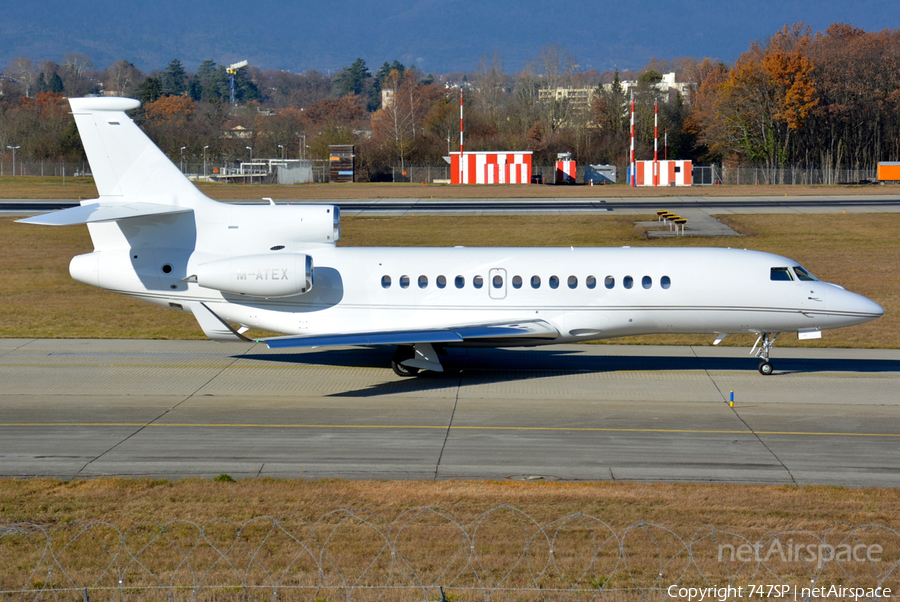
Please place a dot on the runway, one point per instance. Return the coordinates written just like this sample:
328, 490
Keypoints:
689, 205
174, 409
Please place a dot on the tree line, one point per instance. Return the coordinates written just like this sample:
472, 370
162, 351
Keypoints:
826, 99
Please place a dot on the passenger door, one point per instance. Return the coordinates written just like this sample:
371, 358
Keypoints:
497, 283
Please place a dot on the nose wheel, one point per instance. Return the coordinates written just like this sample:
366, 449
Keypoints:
761, 349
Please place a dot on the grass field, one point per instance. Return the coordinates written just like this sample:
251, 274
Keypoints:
859, 251
34, 187
551, 536
751, 509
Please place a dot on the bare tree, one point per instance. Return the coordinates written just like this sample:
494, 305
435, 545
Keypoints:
26, 74
74, 70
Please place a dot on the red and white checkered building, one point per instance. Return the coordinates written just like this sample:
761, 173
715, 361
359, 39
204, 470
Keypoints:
677, 173
491, 167
566, 171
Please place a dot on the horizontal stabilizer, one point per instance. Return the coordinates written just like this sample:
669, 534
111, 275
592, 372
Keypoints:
96, 212
509, 332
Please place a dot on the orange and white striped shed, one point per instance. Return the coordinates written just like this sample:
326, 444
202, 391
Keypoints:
671, 173
491, 167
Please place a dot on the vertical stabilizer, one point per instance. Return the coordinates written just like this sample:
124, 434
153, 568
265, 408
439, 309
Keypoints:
126, 164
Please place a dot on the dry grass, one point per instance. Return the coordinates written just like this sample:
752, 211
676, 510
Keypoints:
33, 187
506, 548
859, 251
751, 510
49, 187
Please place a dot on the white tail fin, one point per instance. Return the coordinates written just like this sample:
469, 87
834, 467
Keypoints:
126, 164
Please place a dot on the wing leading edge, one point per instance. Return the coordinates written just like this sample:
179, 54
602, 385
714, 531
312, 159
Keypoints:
494, 335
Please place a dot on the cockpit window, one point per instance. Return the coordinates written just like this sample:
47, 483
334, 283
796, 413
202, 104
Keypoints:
781, 274
804, 275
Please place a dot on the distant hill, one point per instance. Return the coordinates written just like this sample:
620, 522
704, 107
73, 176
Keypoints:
438, 36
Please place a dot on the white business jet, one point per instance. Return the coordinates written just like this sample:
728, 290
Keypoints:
276, 268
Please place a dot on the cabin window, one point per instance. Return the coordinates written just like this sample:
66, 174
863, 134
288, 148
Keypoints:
535, 282
646, 281
627, 281
460, 281
610, 282
404, 281
572, 281
665, 282
386, 281
441, 281
477, 281
804, 275
497, 281
590, 282
782, 274
554, 282
517, 282
423, 281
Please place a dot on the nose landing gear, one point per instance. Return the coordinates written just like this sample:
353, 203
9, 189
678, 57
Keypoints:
767, 339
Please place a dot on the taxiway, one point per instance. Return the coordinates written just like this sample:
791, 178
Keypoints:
175, 409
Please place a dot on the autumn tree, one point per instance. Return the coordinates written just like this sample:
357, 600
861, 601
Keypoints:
333, 121
168, 123
41, 127
766, 98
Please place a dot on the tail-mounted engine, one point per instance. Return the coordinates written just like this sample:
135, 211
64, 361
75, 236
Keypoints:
269, 276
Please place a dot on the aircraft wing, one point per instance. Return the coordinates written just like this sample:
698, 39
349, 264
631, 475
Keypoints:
493, 335
96, 212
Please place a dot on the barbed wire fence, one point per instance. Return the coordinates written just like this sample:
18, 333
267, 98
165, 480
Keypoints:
428, 554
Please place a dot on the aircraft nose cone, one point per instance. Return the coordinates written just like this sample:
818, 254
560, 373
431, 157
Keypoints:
857, 305
873, 308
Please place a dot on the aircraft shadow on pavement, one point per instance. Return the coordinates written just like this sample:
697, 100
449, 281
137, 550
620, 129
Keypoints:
487, 366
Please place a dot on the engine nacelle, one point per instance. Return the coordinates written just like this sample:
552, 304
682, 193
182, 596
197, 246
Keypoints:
269, 276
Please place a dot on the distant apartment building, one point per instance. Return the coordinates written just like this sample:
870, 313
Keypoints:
666, 84
580, 100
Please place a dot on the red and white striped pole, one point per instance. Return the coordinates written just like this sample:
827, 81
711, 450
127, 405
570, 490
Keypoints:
655, 141
461, 135
632, 171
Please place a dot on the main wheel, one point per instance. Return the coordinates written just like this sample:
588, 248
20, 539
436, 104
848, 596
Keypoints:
401, 370
765, 368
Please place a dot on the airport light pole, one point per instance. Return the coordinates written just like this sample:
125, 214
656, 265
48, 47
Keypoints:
204, 161
14, 149
251, 163
281, 146
302, 146
182, 158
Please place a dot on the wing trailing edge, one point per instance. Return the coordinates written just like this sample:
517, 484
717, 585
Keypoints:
498, 334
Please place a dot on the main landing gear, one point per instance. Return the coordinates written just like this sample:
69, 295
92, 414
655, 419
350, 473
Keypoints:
403, 353
764, 344
409, 359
